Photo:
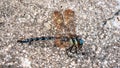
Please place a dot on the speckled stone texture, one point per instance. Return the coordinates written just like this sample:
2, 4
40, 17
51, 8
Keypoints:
32, 18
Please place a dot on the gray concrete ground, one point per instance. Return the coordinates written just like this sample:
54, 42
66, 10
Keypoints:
97, 22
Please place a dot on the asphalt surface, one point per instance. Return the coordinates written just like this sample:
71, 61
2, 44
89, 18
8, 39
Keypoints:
97, 21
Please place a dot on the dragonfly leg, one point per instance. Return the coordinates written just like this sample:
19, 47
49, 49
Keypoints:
69, 51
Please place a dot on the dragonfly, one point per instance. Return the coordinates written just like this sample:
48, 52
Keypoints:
64, 22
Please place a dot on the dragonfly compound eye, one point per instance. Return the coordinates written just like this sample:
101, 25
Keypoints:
81, 41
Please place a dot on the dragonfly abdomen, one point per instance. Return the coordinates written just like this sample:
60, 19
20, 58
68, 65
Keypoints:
35, 39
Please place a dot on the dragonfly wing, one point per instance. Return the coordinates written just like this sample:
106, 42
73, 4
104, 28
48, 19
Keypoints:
58, 20
58, 42
69, 15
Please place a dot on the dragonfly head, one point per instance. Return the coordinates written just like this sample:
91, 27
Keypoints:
81, 41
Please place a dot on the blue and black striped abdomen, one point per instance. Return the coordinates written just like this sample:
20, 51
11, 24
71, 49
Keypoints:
36, 39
